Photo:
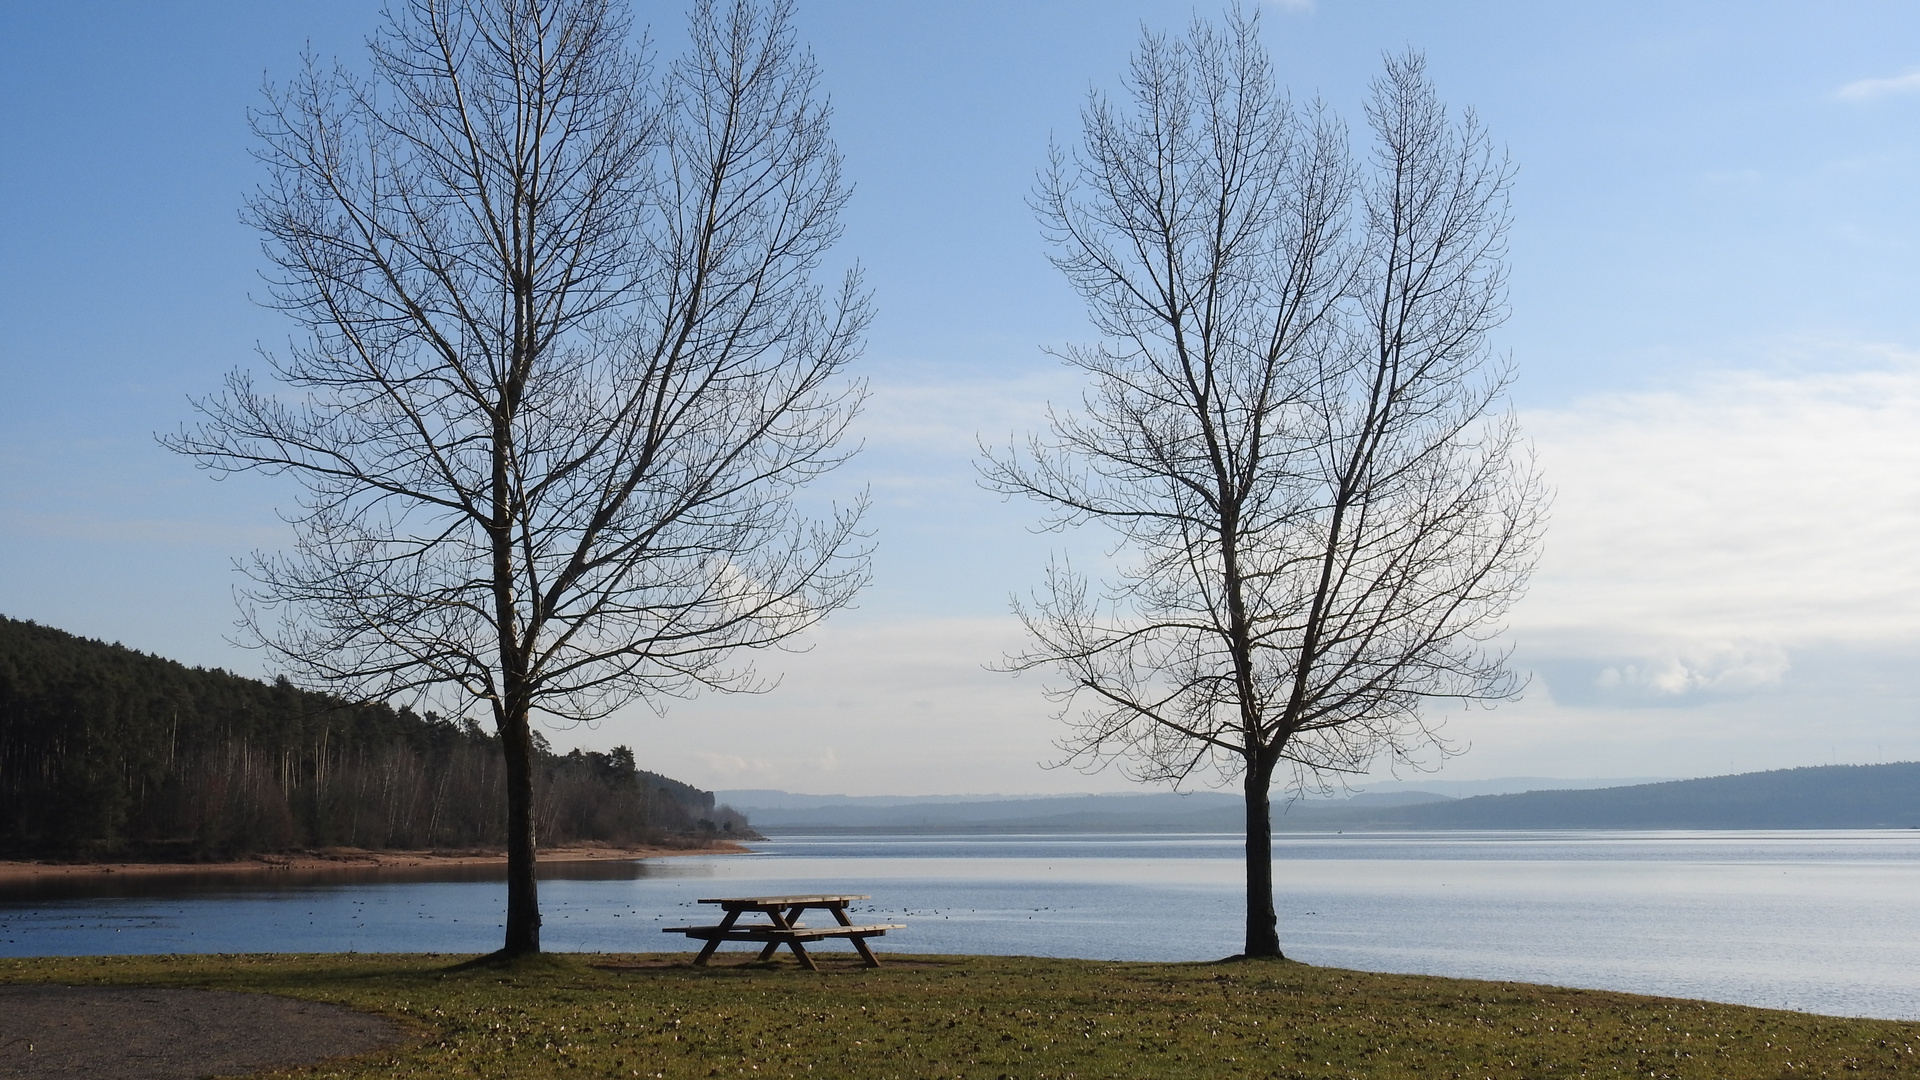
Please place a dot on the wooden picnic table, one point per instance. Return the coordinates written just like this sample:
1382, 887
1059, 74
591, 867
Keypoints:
783, 926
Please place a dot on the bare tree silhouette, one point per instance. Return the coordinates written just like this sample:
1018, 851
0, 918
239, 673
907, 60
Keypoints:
566, 367
1291, 429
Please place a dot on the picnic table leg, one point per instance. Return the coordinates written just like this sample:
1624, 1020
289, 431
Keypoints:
840, 913
714, 941
787, 923
800, 952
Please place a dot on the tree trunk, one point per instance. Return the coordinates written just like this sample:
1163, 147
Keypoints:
523, 901
515, 715
1263, 934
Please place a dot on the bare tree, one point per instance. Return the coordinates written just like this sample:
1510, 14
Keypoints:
565, 367
1291, 430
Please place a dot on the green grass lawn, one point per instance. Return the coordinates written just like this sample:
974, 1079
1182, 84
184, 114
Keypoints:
984, 1016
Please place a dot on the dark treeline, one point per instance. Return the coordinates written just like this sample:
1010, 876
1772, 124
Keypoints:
105, 751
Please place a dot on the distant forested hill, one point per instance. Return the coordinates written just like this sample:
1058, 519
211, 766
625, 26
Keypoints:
1816, 797
108, 751
1819, 797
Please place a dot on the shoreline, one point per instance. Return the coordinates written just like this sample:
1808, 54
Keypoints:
16, 871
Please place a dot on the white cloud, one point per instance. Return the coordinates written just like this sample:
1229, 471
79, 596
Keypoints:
1693, 670
1744, 547
1741, 507
1870, 89
1303, 7
879, 707
912, 411
732, 770
1831, 705
1612, 671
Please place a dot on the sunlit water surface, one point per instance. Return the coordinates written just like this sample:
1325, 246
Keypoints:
1819, 921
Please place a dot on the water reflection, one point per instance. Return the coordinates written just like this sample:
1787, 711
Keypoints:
194, 881
1826, 922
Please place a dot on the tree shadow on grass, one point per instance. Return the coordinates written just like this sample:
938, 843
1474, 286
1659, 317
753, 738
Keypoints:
505, 963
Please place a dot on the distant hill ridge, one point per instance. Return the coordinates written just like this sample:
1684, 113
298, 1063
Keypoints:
1814, 797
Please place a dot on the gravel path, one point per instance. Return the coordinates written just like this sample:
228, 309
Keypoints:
117, 1033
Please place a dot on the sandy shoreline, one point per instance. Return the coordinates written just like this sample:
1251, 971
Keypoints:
348, 859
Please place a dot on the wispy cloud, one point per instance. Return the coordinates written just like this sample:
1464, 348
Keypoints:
1722, 668
1738, 506
736, 770
919, 413
876, 708
1300, 7
1705, 538
1585, 672
1872, 89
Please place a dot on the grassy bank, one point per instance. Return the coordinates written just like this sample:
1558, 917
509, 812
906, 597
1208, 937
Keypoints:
923, 1017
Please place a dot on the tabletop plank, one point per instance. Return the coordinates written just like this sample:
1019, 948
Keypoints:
780, 901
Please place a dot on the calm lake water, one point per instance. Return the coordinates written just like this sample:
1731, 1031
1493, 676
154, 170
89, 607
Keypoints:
1819, 921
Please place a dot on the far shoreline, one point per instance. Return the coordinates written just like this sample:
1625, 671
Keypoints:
18, 871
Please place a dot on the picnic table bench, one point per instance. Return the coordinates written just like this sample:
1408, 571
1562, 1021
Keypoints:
783, 926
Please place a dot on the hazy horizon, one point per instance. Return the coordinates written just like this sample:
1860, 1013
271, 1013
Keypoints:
1493, 785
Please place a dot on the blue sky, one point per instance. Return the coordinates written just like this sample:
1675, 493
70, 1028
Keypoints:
1716, 246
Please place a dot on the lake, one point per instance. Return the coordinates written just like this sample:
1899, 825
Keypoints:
1818, 921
